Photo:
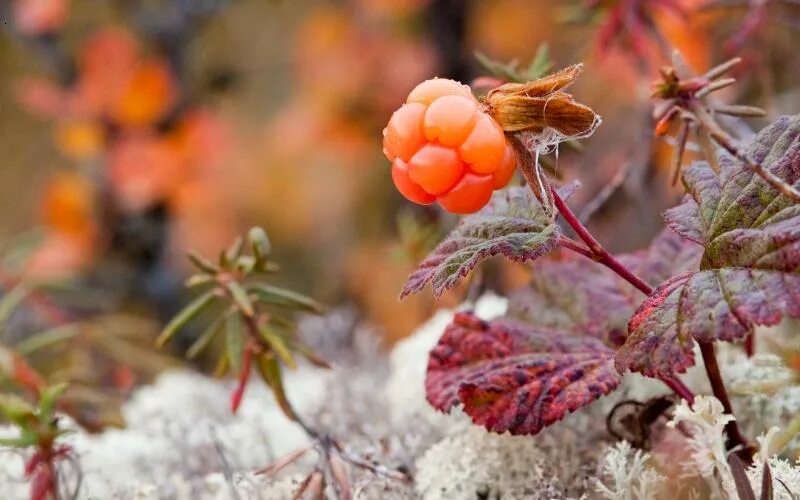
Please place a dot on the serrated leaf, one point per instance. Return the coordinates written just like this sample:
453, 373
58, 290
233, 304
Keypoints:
750, 270
234, 341
513, 224
576, 296
282, 297
514, 377
186, 315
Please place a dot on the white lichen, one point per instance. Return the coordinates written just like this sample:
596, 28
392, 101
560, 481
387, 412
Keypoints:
626, 474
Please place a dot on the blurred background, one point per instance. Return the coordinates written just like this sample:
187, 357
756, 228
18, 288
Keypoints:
133, 130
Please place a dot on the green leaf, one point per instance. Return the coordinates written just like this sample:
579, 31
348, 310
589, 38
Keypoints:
46, 338
205, 338
198, 280
233, 252
282, 297
185, 316
514, 224
259, 241
278, 345
234, 341
241, 298
270, 371
27, 439
16, 409
48, 400
202, 263
310, 355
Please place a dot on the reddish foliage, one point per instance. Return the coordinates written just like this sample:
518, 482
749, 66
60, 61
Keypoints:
515, 377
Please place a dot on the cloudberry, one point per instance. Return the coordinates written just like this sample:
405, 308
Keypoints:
444, 148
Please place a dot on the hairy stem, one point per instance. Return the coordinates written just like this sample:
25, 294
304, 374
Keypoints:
734, 436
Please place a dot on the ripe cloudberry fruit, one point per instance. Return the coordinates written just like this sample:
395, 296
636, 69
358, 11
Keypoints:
444, 148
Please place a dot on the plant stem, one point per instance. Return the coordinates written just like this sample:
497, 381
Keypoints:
734, 436
599, 253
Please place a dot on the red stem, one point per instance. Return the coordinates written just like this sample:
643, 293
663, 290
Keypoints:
595, 251
599, 253
734, 436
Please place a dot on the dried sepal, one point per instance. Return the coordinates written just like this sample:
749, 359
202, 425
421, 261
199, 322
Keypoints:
541, 104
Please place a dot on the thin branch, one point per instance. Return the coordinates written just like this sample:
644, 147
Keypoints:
606, 193
735, 440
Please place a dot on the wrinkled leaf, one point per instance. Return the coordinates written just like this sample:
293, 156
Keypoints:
515, 377
579, 297
513, 224
750, 269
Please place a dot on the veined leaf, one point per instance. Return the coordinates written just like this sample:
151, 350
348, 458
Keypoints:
513, 224
515, 377
750, 269
185, 316
578, 297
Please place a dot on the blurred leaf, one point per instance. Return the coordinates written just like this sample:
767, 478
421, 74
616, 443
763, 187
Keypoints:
259, 241
16, 409
48, 399
234, 341
286, 298
538, 67
185, 316
270, 371
239, 296
201, 263
278, 345
10, 301
233, 252
205, 338
199, 280
46, 338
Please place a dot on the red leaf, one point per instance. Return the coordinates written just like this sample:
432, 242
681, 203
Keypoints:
750, 271
515, 377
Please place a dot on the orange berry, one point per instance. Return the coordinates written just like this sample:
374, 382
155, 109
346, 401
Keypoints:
450, 119
406, 186
430, 90
503, 174
435, 168
484, 147
403, 136
470, 194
